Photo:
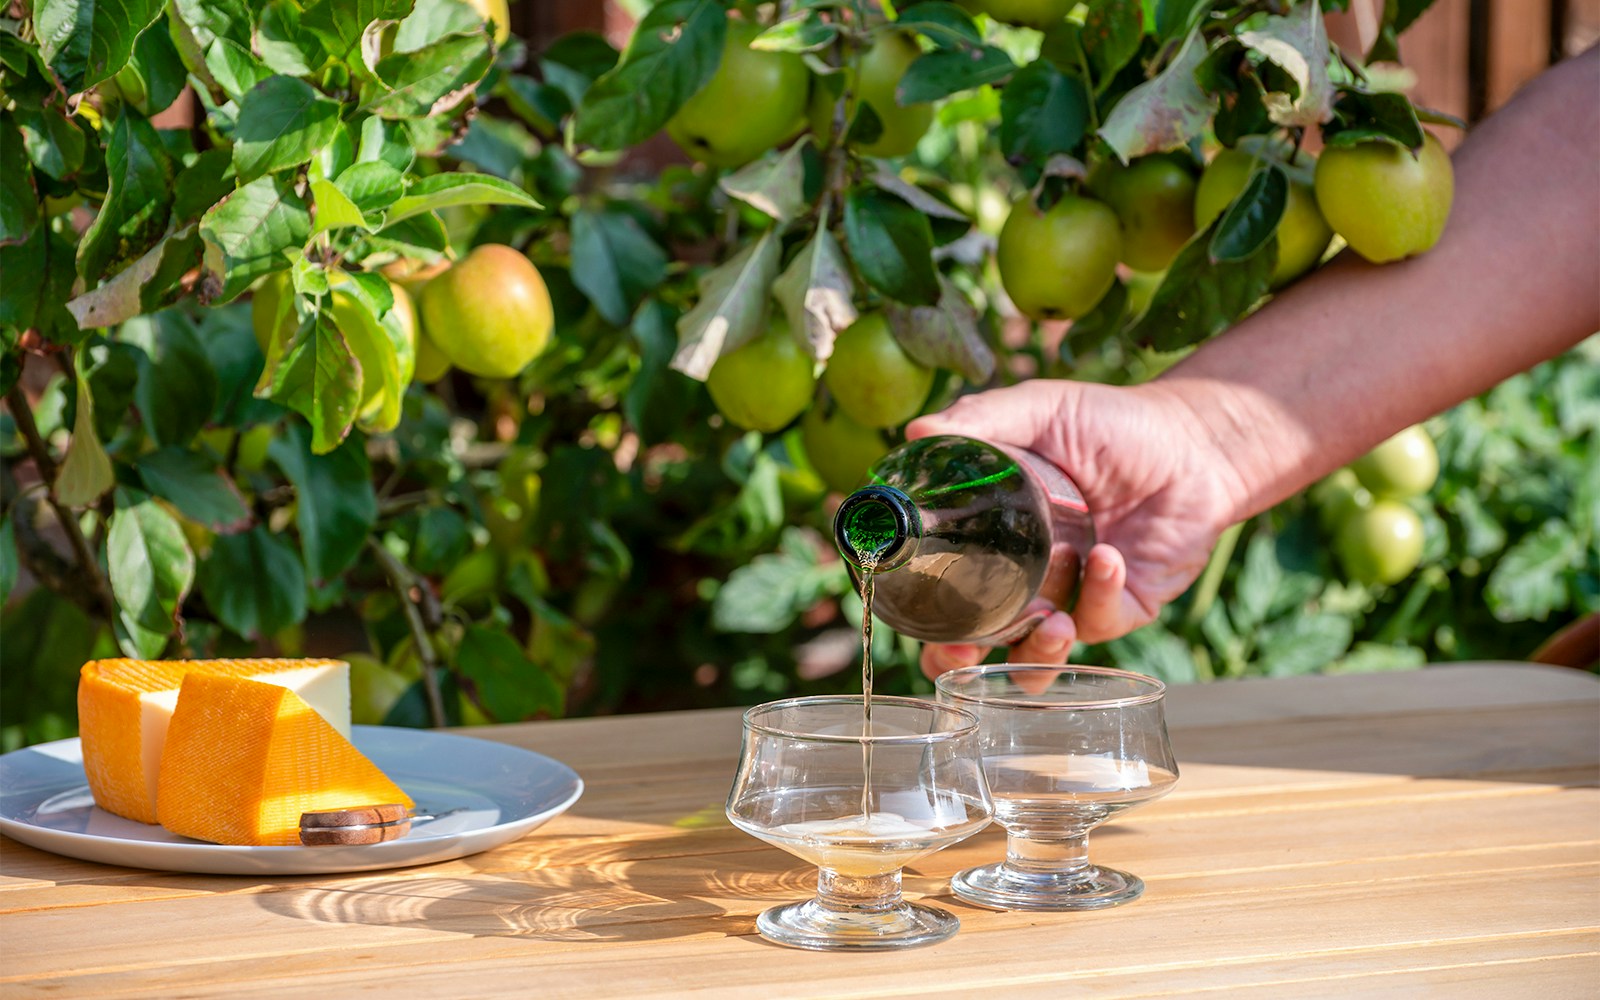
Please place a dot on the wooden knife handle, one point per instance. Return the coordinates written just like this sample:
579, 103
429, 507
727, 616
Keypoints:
359, 825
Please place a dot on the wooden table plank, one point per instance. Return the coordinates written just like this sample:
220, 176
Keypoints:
1435, 833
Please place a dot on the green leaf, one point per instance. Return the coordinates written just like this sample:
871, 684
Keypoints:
421, 236
510, 685
817, 294
200, 490
1383, 117
37, 282
335, 504
8, 559
430, 82
1174, 18
386, 142
574, 61
1258, 582
249, 232
1110, 36
285, 47
357, 314
614, 262
432, 20
87, 41
54, 144
774, 184
1042, 112
766, 595
202, 184
1155, 651
372, 185
657, 398
339, 24
892, 246
1297, 42
674, 52
138, 199
1165, 112
1252, 218
945, 335
235, 69
141, 286
442, 540
19, 200
803, 31
1530, 580
943, 24
85, 473
159, 67
253, 583
732, 308
1302, 644
942, 72
151, 569
177, 388
282, 123
455, 189
320, 379
334, 209
1200, 297
751, 520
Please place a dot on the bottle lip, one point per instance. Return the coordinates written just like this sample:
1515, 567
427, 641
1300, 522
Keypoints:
907, 523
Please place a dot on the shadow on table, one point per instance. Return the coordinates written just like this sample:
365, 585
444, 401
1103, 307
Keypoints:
677, 892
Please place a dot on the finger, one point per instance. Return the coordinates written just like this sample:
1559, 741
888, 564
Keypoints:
1015, 415
1099, 611
939, 658
1049, 643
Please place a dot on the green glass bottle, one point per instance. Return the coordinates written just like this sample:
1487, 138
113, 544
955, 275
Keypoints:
960, 537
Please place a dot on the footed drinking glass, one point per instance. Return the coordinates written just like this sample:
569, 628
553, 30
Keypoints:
860, 803
1064, 750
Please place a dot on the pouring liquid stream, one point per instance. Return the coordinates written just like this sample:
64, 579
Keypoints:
869, 563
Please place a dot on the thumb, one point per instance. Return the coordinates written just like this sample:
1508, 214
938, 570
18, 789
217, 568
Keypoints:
1020, 415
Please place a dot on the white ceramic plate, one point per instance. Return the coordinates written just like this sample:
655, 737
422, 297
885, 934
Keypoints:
495, 793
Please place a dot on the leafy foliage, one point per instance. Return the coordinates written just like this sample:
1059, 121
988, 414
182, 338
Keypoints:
591, 535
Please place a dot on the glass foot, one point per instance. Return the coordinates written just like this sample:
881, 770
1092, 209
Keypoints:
1003, 887
820, 928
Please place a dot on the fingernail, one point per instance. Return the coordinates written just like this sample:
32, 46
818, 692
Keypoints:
1102, 571
1055, 631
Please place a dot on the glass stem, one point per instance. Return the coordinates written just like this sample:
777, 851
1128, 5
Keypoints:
869, 893
1067, 856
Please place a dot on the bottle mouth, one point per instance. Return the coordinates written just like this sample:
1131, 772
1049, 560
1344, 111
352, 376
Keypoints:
874, 528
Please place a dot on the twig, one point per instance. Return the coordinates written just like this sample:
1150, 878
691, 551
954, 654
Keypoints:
420, 610
1205, 592
22, 414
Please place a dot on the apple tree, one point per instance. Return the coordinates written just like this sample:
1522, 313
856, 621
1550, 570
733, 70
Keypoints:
412, 349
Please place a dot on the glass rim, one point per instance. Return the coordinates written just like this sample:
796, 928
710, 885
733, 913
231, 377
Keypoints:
968, 727
1158, 688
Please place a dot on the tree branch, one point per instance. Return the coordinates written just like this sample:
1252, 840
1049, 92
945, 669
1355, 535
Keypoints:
423, 615
22, 414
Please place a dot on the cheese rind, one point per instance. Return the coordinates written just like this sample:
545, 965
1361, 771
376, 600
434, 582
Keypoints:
244, 759
124, 708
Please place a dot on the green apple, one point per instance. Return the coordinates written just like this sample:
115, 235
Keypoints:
1386, 201
1039, 14
1302, 232
871, 376
490, 313
1058, 264
764, 384
755, 101
1404, 466
1154, 200
1381, 543
839, 449
882, 65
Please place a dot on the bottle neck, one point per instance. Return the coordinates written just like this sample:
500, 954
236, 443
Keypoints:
876, 528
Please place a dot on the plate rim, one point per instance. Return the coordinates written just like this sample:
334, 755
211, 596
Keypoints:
239, 859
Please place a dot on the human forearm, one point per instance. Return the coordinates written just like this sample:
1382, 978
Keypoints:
1357, 351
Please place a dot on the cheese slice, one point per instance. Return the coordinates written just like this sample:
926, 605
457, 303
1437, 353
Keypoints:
244, 759
124, 707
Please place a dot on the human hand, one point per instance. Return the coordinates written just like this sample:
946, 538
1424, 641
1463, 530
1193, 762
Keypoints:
1158, 487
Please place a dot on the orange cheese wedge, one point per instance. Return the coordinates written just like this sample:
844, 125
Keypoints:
124, 707
244, 759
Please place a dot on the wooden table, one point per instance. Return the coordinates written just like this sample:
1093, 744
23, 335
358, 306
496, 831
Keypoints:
1428, 833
